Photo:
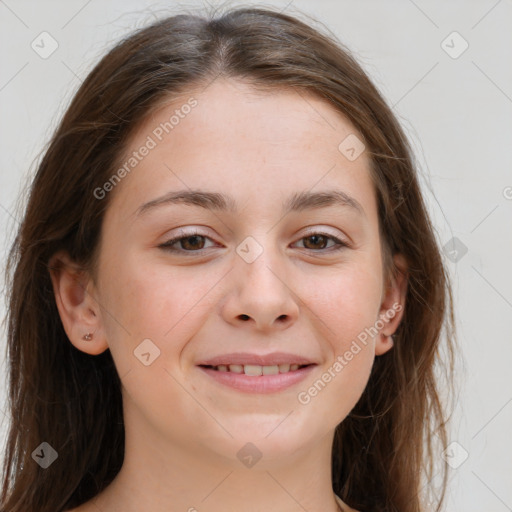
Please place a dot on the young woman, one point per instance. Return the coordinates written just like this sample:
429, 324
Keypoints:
226, 293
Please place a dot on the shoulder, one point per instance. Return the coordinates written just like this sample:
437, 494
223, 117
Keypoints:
86, 507
343, 505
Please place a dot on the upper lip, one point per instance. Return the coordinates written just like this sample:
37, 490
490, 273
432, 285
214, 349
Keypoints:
242, 358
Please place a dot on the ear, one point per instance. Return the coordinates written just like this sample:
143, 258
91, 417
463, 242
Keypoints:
79, 311
392, 306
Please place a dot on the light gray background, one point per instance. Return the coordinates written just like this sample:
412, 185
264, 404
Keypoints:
457, 112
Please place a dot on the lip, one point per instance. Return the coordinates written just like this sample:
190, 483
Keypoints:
271, 359
260, 384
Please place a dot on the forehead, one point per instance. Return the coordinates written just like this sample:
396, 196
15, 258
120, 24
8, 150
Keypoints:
229, 136
229, 109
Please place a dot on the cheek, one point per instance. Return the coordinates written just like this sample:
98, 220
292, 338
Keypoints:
346, 307
347, 302
144, 300
165, 305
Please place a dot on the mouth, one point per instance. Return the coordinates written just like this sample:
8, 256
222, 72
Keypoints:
252, 378
254, 370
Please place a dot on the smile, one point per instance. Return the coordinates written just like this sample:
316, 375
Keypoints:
257, 370
257, 379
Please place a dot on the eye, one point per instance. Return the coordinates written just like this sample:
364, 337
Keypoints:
195, 242
190, 242
318, 241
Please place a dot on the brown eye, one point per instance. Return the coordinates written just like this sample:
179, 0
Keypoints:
316, 242
319, 241
192, 242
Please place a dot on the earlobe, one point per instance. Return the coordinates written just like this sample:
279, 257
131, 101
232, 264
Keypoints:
392, 306
384, 343
79, 312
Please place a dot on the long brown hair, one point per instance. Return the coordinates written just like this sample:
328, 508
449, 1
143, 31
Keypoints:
384, 449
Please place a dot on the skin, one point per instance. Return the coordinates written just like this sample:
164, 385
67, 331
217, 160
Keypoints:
183, 430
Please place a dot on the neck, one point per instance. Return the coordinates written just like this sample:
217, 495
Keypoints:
160, 475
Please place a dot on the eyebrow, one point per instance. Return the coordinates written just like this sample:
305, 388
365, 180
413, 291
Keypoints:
298, 202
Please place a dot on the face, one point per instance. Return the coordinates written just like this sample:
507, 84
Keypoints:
264, 265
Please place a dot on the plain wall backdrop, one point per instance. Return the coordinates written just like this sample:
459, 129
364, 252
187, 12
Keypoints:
443, 67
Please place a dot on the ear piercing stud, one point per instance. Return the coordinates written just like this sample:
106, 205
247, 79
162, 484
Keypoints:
87, 337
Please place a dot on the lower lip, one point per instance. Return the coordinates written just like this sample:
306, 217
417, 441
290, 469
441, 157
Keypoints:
261, 383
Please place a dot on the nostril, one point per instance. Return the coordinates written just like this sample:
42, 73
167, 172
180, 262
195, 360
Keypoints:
244, 317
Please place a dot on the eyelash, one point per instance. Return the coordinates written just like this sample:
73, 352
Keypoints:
168, 243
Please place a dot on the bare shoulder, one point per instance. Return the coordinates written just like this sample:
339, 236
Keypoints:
85, 507
346, 508
343, 505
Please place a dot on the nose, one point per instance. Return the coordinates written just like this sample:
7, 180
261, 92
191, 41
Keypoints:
261, 294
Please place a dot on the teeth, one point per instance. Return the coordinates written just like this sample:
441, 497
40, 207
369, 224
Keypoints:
270, 370
253, 369
256, 370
